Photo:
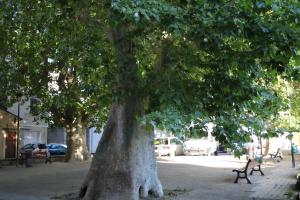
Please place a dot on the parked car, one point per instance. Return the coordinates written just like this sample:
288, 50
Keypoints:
171, 146
57, 149
38, 149
204, 146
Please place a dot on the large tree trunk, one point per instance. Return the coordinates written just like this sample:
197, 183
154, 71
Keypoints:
76, 142
124, 165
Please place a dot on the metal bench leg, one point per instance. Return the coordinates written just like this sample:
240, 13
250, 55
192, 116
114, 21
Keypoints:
248, 181
252, 171
261, 173
259, 169
237, 177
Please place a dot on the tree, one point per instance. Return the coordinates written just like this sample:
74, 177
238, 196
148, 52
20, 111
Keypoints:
41, 59
228, 48
190, 56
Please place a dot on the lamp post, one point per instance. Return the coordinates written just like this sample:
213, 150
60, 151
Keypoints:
19, 96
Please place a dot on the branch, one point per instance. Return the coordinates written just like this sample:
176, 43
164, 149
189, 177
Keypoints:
85, 17
161, 65
161, 62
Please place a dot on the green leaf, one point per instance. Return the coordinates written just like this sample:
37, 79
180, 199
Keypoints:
297, 60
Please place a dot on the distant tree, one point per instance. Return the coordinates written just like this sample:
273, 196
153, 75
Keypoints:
57, 61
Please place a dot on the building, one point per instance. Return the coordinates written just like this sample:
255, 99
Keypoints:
8, 134
57, 135
93, 138
32, 128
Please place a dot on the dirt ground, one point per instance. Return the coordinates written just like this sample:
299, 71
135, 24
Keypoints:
183, 177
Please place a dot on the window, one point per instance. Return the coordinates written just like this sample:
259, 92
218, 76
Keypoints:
28, 146
161, 141
178, 142
173, 141
53, 146
42, 146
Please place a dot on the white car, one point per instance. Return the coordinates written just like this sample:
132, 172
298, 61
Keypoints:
170, 146
204, 146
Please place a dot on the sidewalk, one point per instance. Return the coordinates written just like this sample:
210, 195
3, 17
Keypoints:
279, 181
42, 181
214, 180
203, 178
13, 196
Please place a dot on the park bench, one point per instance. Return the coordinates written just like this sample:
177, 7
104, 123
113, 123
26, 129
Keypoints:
39, 156
243, 172
257, 161
257, 168
278, 154
28, 158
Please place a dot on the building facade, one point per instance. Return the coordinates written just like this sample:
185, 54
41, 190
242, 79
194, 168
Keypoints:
8, 135
57, 135
93, 138
32, 128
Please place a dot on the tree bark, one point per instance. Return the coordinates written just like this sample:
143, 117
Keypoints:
76, 142
124, 165
266, 152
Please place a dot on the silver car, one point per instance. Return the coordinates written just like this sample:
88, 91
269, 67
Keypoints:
170, 146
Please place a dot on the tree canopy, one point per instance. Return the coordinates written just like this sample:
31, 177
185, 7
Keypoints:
197, 61
213, 59
159, 63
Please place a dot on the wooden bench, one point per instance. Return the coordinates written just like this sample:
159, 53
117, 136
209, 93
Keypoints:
243, 172
30, 158
278, 154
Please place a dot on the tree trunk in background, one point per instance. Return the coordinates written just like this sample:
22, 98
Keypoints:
76, 142
124, 165
266, 153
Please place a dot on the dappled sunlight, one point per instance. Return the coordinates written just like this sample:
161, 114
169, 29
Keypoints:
4, 133
7, 120
79, 150
77, 147
79, 153
227, 161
